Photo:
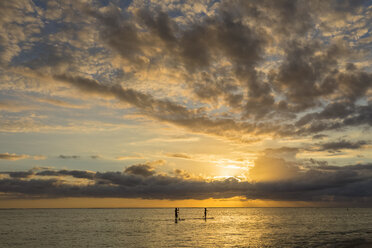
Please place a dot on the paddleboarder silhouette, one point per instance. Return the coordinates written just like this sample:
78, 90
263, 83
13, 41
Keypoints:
176, 214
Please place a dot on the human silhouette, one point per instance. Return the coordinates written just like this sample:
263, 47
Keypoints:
205, 213
175, 215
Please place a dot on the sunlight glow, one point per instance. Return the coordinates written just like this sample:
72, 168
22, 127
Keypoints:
232, 168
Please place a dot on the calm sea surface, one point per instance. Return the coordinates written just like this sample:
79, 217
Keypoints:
231, 227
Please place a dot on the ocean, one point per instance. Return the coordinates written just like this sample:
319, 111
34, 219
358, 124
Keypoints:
228, 227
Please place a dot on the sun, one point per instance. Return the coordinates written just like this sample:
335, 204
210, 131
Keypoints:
232, 168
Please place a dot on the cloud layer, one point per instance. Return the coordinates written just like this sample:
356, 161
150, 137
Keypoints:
266, 64
329, 184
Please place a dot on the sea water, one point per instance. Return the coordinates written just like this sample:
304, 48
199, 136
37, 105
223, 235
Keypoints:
229, 227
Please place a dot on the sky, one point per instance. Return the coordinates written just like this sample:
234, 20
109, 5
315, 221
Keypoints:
241, 103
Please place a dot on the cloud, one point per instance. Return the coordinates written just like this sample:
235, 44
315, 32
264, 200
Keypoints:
343, 144
60, 103
161, 109
20, 174
288, 153
323, 183
129, 157
307, 63
317, 162
181, 173
158, 162
34, 123
73, 173
293, 74
240, 69
141, 169
179, 155
69, 156
13, 156
11, 106
39, 157
271, 169
320, 136
19, 23
362, 116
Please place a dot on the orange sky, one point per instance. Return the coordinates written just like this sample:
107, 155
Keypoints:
141, 203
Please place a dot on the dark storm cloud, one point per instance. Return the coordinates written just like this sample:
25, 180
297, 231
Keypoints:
320, 183
69, 156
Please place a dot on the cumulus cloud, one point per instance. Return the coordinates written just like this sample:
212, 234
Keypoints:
267, 169
141, 169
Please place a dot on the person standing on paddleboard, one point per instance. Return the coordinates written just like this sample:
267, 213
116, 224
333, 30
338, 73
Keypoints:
176, 210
